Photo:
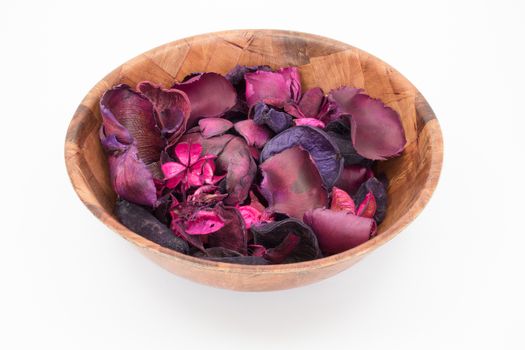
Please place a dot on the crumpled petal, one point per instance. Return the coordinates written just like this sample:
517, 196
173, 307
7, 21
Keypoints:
233, 234
352, 177
172, 109
173, 173
236, 160
275, 88
204, 222
188, 153
236, 77
291, 183
213, 145
250, 215
316, 142
341, 201
313, 104
339, 99
214, 126
339, 132
377, 132
368, 206
210, 95
316, 123
378, 189
134, 113
286, 241
338, 231
255, 135
276, 120
142, 222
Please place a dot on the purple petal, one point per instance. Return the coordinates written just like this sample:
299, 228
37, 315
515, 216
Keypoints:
214, 126
255, 135
316, 123
378, 189
338, 231
133, 112
339, 99
287, 241
323, 152
276, 88
341, 201
339, 132
171, 106
377, 132
233, 235
237, 161
142, 222
311, 102
276, 120
352, 177
291, 183
210, 94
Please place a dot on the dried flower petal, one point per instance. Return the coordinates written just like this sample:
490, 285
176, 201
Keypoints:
275, 88
341, 201
233, 234
368, 206
214, 126
352, 177
310, 122
255, 135
276, 120
339, 99
203, 222
378, 189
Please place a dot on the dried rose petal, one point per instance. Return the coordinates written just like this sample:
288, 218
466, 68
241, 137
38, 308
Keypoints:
341, 201
250, 215
378, 189
255, 135
291, 183
214, 145
339, 99
310, 122
203, 222
233, 234
339, 133
275, 88
352, 177
210, 94
214, 126
282, 251
276, 120
257, 249
338, 231
368, 206
323, 152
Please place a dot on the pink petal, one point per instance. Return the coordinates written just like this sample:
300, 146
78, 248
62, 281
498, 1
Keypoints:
309, 121
204, 222
173, 173
352, 177
188, 153
341, 201
311, 102
275, 88
255, 135
340, 98
368, 206
214, 126
250, 215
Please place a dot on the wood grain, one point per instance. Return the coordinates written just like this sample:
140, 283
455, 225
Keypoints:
323, 62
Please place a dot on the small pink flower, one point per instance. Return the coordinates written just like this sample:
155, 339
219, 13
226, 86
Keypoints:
192, 170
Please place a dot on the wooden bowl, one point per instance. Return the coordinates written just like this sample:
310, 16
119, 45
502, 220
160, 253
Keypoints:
322, 62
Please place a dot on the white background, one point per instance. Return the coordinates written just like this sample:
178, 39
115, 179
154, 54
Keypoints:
454, 279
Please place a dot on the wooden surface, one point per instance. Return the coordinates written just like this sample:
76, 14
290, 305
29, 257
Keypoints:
322, 62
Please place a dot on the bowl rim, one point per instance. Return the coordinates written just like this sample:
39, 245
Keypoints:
81, 189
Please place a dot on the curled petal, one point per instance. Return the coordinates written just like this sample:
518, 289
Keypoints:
368, 206
188, 153
255, 135
321, 149
173, 173
377, 132
233, 234
210, 95
341, 201
203, 222
291, 183
214, 126
338, 231
310, 122
312, 102
352, 177
378, 189
339, 99
339, 133
276, 120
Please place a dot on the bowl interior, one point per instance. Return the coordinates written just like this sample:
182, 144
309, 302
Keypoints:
322, 62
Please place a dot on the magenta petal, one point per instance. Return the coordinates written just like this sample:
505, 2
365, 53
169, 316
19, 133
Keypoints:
311, 102
341, 201
338, 231
368, 206
203, 222
291, 183
133, 112
210, 94
266, 86
255, 135
339, 99
214, 126
377, 132
293, 81
352, 177
131, 178
214, 145
310, 122
173, 173
233, 235
188, 153
236, 160
172, 108
250, 215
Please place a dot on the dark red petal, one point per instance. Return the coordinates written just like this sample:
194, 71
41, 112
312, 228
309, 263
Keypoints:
171, 106
338, 231
281, 252
352, 177
236, 160
214, 126
255, 135
233, 235
321, 149
378, 189
339, 133
377, 132
368, 206
291, 183
135, 113
210, 94
256, 249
